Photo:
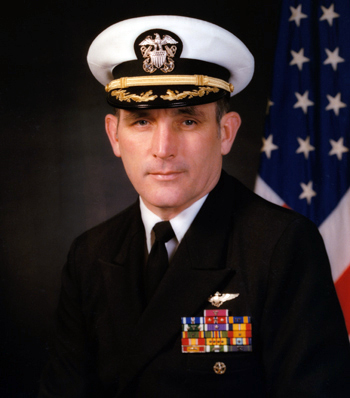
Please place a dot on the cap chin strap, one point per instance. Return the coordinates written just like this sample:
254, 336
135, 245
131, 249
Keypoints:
196, 80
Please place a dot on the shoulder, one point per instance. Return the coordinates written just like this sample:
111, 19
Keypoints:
252, 209
104, 238
265, 229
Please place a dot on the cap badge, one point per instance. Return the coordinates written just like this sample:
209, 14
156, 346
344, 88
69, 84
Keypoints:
219, 298
157, 57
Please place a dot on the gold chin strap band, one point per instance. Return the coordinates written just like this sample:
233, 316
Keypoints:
196, 80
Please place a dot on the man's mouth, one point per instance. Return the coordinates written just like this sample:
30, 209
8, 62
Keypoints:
165, 175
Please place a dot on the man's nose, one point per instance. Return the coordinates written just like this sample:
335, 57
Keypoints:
164, 141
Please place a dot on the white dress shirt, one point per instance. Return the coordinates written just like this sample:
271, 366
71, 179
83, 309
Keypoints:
180, 224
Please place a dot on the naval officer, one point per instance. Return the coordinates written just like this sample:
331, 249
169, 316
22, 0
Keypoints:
200, 288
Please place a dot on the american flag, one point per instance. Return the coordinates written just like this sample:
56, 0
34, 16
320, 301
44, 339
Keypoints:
305, 151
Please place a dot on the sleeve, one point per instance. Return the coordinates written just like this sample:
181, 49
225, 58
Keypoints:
70, 371
305, 345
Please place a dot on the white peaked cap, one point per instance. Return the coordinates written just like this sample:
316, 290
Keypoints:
201, 41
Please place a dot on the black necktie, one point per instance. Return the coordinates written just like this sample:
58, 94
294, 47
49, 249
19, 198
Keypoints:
158, 262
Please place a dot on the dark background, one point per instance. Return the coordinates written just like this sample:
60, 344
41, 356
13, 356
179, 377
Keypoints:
59, 176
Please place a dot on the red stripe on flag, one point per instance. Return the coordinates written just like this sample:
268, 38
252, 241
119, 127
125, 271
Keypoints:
342, 286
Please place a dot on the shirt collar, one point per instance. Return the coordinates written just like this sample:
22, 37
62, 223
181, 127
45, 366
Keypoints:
180, 223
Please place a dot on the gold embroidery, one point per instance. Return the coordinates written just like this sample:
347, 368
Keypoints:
198, 80
122, 95
171, 95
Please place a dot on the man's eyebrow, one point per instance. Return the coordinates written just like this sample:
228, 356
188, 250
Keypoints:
135, 114
190, 111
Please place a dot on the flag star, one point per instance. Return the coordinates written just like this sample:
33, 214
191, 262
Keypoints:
338, 148
305, 147
269, 104
308, 192
333, 58
303, 101
268, 146
297, 15
335, 103
329, 14
298, 59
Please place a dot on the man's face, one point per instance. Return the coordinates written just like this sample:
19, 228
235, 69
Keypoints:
173, 157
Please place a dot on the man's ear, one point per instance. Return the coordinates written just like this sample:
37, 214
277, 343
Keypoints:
111, 126
229, 126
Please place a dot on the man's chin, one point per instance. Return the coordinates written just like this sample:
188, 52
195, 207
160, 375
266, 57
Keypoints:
167, 202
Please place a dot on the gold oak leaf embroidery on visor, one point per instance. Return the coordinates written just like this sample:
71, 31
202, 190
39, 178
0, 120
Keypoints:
122, 95
171, 95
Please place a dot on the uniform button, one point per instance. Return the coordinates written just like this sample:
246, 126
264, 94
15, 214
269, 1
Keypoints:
219, 368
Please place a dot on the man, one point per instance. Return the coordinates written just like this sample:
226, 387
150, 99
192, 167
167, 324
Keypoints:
239, 298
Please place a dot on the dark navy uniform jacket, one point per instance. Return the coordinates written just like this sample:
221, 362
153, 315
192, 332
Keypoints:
110, 343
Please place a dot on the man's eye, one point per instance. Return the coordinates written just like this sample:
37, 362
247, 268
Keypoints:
141, 122
189, 122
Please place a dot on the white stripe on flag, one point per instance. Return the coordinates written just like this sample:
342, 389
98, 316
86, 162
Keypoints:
335, 231
263, 190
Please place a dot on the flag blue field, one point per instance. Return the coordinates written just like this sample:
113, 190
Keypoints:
305, 163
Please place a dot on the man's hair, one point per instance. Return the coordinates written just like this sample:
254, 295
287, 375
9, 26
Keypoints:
222, 107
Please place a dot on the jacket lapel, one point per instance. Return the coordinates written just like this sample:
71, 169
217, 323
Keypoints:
198, 269
122, 273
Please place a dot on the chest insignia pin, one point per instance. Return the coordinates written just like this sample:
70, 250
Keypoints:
219, 298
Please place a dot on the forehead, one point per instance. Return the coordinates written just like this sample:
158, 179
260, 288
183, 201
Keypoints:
202, 111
